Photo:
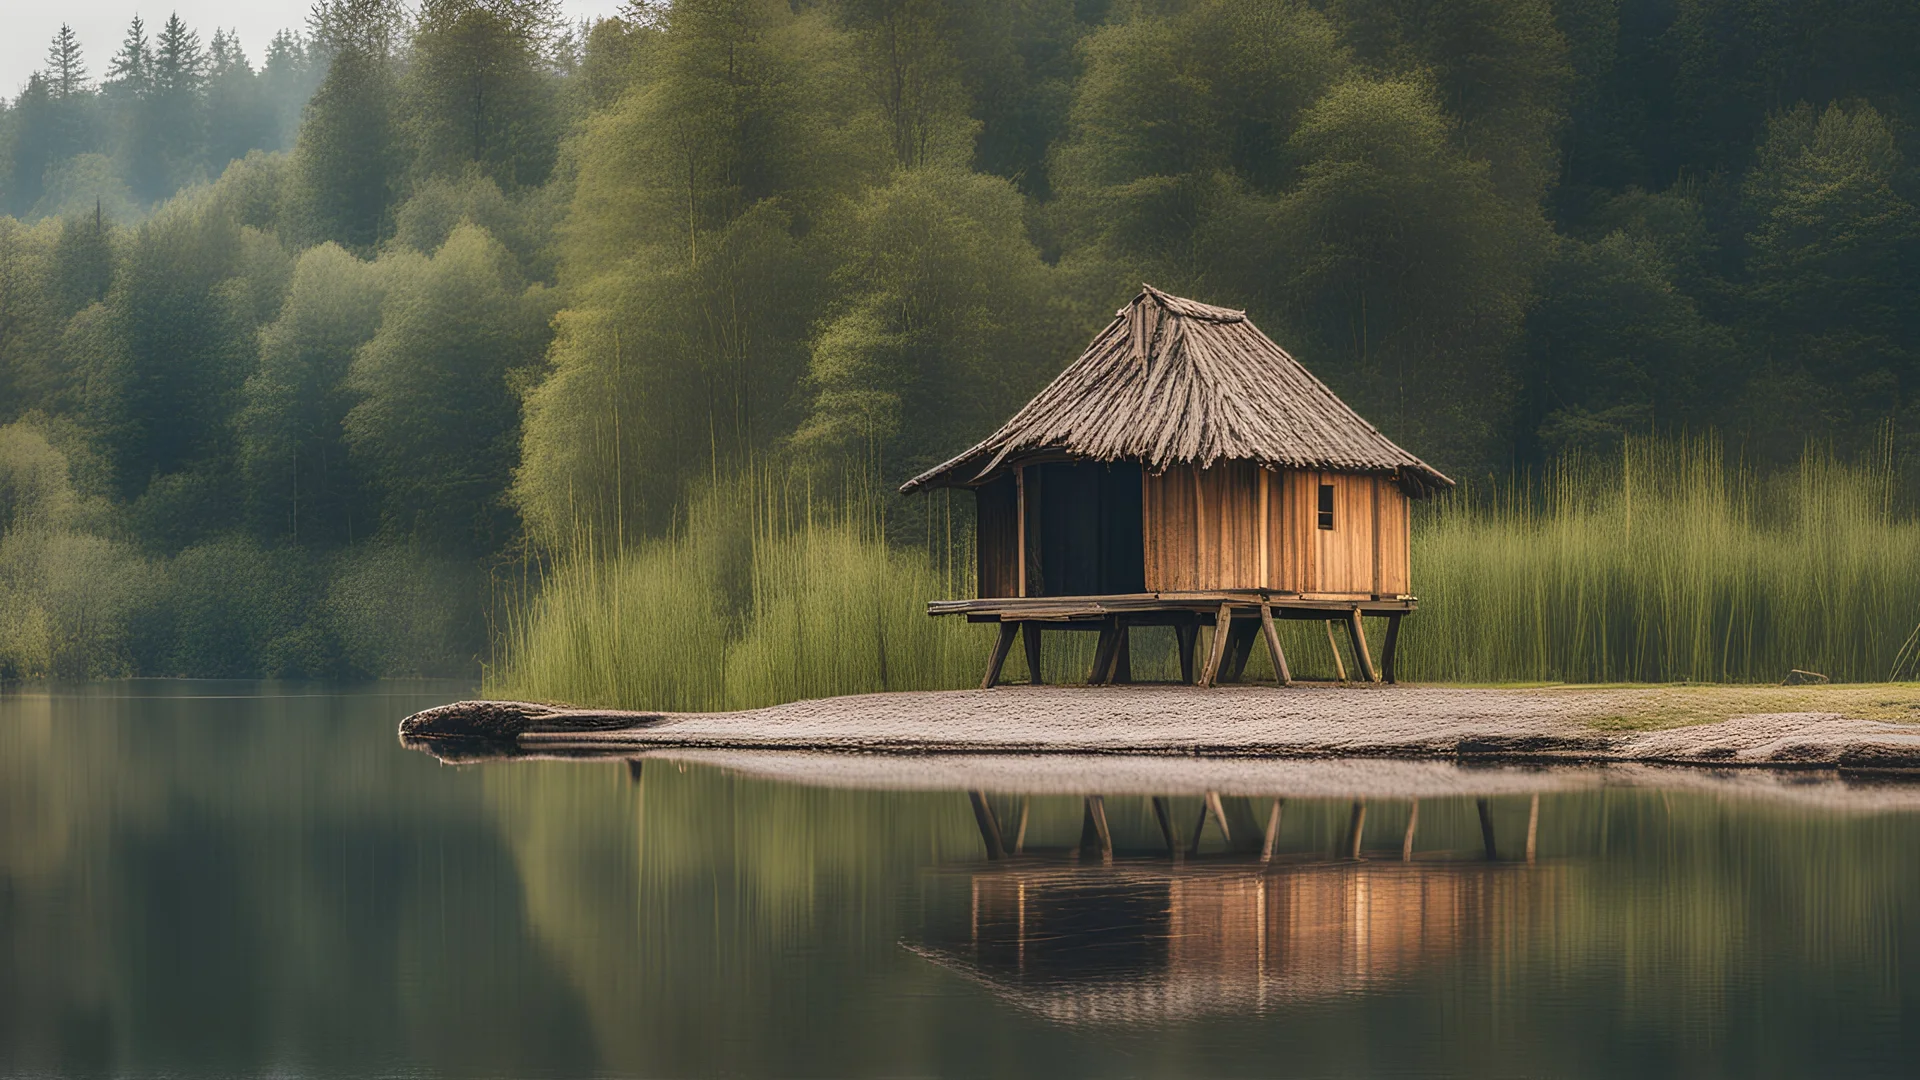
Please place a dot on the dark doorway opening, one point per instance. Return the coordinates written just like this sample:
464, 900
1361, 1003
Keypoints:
1084, 529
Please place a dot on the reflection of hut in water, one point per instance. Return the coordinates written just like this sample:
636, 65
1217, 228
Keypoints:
1140, 942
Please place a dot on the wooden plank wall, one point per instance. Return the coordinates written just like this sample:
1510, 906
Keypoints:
1203, 532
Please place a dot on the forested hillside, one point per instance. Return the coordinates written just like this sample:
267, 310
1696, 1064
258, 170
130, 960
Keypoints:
297, 365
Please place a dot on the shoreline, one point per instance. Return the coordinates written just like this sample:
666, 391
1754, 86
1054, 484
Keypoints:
1857, 727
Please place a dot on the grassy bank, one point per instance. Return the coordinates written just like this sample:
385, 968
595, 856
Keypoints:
1667, 563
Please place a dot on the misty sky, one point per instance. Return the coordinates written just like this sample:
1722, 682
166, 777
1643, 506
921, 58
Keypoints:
27, 25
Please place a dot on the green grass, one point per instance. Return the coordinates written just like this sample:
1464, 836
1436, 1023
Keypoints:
1664, 565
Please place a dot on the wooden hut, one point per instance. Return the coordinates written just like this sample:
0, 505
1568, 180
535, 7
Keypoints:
1187, 471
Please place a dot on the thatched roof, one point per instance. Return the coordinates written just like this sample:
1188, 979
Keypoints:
1175, 382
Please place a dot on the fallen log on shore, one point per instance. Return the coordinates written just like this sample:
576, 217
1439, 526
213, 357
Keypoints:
506, 721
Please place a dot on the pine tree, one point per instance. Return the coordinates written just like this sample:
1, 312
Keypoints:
131, 72
66, 67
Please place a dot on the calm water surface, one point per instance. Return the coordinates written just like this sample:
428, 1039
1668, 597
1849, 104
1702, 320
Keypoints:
221, 879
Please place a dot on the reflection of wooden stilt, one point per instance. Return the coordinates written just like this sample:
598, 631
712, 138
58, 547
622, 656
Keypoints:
989, 828
1277, 654
999, 657
1030, 637
1272, 833
1219, 818
1094, 835
1020, 833
1163, 814
1222, 627
1486, 830
1360, 654
1390, 649
1339, 665
1199, 826
1533, 824
1355, 824
1242, 824
633, 769
1413, 822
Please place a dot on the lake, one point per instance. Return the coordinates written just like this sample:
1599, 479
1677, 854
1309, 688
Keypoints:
237, 879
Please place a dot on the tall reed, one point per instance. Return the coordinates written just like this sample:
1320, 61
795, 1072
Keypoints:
1667, 563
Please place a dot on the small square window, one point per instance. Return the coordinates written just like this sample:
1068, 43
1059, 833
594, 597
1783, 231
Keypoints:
1326, 506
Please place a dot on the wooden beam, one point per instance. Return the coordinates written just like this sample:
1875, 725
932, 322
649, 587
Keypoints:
1272, 833
1413, 822
1339, 665
1274, 652
1222, 626
1486, 830
1163, 814
1030, 637
1020, 515
1360, 654
1390, 649
1356, 822
989, 827
999, 657
1094, 834
1186, 636
1103, 654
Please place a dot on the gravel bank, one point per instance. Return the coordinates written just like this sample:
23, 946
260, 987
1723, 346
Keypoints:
1833, 727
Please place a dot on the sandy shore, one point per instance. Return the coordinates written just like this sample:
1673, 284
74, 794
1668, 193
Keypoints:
1845, 727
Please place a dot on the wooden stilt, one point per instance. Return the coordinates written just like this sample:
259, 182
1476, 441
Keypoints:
1239, 648
1222, 626
1390, 649
1095, 838
1185, 636
1533, 824
1360, 655
1355, 824
1020, 833
1103, 654
1123, 657
1486, 830
989, 827
1030, 637
1413, 822
1163, 814
1274, 651
999, 657
1339, 665
1272, 833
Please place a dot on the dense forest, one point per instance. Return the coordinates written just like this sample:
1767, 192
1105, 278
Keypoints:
299, 364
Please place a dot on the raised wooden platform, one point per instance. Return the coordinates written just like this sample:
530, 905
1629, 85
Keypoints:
1236, 616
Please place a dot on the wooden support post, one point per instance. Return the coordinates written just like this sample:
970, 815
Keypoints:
1391, 648
1020, 833
1185, 637
1533, 824
1239, 648
1360, 654
1222, 626
1274, 651
1123, 657
989, 827
1030, 637
1094, 835
1413, 822
1355, 823
999, 657
1339, 665
1103, 653
1272, 833
1163, 814
1486, 831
